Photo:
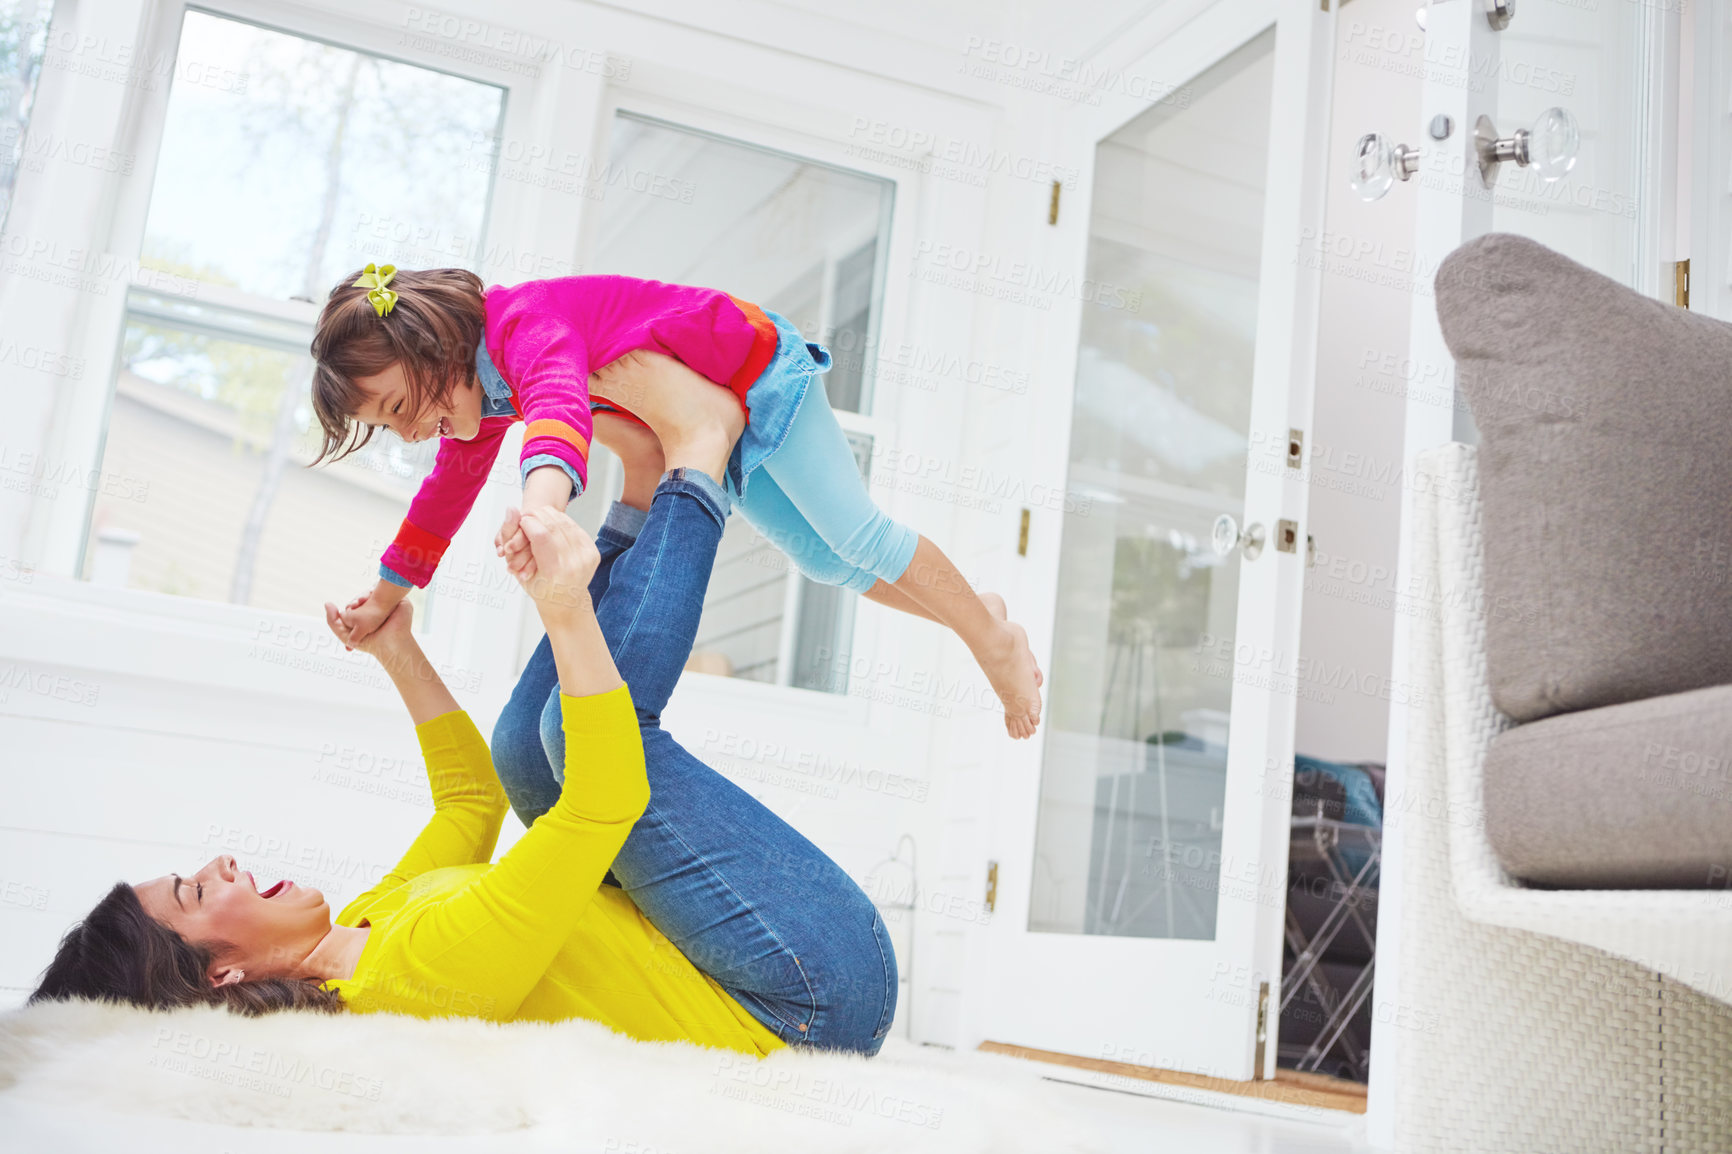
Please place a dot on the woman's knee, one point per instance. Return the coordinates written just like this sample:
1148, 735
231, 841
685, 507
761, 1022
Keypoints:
521, 765
514, 725
552, 734
551, 727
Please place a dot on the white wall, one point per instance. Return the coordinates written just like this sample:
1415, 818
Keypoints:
144, 733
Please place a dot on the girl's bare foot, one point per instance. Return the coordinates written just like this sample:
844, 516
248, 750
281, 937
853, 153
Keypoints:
696, 420
1015, 677
639, 450
995, 605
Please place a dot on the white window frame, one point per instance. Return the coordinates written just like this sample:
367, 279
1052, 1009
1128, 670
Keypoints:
677, 105
565, 108
715, 120
59, 523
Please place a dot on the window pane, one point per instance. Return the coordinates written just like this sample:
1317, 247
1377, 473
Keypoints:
750, 601
798, 238
285, 162
23, 43
1134, 775
204, 491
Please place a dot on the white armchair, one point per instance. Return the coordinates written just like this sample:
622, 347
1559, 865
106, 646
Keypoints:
1526, 1020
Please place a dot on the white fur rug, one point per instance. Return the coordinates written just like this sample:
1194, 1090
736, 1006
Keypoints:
392, 1075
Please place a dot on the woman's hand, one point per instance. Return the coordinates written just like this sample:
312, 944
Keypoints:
395, 648
390, 638
556, 568
556, 575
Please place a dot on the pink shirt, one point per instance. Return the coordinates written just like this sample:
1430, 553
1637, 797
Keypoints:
545, 337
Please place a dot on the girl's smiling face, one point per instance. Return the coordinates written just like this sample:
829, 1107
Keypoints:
389, 403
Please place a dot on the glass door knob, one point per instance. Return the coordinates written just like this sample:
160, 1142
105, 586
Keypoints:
1225, 534
1226, 537
1549, 147
1379, 164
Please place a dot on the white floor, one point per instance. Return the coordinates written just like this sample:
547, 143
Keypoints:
1103, 1120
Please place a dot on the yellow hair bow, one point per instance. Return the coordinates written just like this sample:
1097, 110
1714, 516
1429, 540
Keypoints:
375, 278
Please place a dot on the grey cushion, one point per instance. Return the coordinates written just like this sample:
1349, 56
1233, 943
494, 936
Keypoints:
1606, 474
1626, 796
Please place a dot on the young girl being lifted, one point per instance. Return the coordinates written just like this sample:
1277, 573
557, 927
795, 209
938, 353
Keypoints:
430, 354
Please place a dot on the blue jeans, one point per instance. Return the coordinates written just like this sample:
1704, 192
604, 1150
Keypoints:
747, 899
795, 480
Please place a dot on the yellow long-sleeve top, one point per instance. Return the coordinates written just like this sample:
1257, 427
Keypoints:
535, 935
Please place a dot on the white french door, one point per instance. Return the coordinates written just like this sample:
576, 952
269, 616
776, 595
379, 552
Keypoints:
1142, 877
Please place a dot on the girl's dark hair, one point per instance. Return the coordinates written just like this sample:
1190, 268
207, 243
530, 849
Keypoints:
119, 953
432, 331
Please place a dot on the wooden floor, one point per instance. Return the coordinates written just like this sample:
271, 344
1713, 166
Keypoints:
1289, 1086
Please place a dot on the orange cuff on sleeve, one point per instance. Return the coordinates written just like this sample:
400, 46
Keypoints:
559, 430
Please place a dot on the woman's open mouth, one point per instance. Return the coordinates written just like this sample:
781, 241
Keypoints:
280, 887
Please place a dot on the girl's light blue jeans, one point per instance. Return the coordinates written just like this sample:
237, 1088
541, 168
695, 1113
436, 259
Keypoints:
807, 497
749, 900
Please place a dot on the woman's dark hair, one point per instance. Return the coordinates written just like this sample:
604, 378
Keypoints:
119, 953
432, 331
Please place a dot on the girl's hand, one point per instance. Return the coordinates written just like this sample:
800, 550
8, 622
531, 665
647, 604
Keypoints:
360, 624
562, 559
545, 486
511, 544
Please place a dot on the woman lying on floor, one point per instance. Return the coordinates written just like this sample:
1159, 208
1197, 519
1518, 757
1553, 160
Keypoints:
727, 928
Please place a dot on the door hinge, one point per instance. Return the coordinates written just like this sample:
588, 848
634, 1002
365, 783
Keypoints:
1022, 536
1262, 1031
991, 886
1052, 206
1681, 283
